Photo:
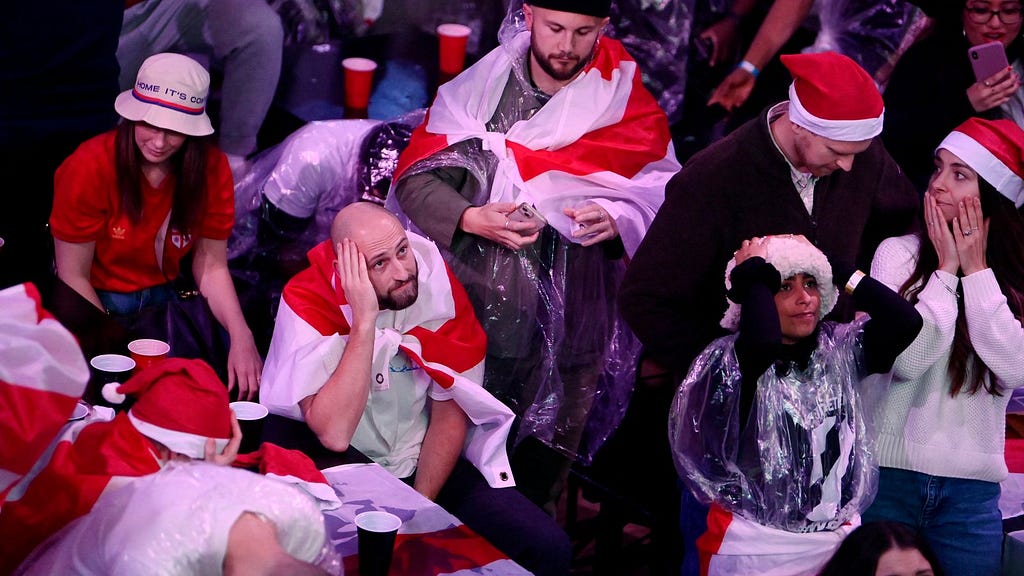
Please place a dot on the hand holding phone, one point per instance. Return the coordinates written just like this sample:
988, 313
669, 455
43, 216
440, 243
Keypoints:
526, 213
987, 60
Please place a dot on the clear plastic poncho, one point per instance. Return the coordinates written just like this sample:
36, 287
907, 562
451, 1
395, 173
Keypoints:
286, 202
558, 352
176, 522
804, 461
871, 32
657, 34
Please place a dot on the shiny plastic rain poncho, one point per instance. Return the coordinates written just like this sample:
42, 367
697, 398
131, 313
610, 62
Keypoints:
871, 32
559, 354
804, 461
176, 522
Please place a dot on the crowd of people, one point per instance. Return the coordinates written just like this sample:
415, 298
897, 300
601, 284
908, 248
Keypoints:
796, 341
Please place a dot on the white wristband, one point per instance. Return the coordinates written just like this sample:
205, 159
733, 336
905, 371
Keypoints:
855, 279
749, 67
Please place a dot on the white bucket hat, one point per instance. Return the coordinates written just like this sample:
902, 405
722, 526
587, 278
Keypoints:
170, 92
790, 257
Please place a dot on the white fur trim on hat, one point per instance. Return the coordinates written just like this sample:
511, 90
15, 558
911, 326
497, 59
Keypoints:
982, 161
170, 92
842, 130
790, 257
191, 445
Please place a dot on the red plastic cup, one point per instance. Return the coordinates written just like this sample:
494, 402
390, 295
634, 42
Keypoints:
147, 351
452, 40
358, 80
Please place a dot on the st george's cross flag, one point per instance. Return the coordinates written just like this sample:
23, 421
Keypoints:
602, 138
439, 333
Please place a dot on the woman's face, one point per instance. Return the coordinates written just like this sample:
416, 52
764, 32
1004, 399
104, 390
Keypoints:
982, 25
798, 302
157, 144
952, 182
903, 562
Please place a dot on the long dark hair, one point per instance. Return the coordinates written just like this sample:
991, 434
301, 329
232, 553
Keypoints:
1005, 256
860, 551
189, 167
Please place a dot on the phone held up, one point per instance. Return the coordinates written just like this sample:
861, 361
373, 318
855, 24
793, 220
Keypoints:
526, 213
987, 59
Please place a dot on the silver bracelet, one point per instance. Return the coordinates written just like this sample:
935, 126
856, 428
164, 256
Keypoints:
946, 286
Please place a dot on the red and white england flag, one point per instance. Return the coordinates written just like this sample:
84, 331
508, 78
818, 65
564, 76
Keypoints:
42, 376
734, 545
439, 332
602, 138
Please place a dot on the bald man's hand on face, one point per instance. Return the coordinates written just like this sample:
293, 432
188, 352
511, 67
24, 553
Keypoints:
359, 291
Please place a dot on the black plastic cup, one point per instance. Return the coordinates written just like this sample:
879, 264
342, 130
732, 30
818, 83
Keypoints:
251, 416
376, 531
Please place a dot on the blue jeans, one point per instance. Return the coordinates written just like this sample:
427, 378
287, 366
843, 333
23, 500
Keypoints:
131, 303
959, 518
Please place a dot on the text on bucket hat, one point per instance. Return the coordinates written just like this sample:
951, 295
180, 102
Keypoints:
170, 92
833, 97
995, 150
790, 257
598, 8
180, 403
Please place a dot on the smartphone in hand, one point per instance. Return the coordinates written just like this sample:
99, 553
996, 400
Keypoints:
526, 213
987, 59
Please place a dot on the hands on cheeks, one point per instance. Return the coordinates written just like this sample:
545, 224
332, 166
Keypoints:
230, 452
355, 281
491, 221
960, 245
993, 91
970, 234
594, 224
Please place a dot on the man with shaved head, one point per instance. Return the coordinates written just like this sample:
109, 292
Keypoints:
376, 346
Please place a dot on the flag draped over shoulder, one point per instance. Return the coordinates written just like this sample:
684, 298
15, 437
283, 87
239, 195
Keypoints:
42, 376
601, 138
439, 332
89, 458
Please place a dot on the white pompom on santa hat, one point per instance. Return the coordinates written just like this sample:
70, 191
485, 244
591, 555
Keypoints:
995, 150
180, 403
833, 97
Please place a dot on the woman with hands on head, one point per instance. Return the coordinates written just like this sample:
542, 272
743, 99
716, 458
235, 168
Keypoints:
771, 426
942, 437
132, 203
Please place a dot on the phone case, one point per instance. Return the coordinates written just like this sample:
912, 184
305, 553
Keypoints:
987, 59
526, 213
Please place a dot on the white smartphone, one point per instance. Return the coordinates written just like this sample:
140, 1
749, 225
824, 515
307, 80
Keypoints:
526, 213
987, 59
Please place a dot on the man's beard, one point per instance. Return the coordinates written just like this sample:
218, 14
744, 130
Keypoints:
400, 302
560, 76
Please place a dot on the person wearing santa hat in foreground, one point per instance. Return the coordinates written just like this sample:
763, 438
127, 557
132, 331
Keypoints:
772, 426
812, 166
942, 438
181, 412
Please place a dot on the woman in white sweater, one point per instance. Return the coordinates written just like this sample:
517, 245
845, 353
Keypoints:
942, 430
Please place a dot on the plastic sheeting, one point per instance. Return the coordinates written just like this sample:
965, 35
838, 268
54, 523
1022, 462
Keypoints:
868, 31
291, 194
559, 354
657, 35
804, 461
177, 521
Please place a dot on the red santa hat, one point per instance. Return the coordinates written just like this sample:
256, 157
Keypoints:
833, 97
180, 403
995, 150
